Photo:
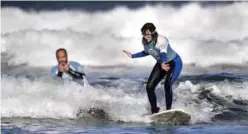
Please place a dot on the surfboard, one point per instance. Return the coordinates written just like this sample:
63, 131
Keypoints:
173, 117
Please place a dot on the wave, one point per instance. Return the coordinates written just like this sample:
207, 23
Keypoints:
201, 35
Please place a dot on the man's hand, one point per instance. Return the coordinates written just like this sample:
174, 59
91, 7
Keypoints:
66, 67
61, 67
165, 66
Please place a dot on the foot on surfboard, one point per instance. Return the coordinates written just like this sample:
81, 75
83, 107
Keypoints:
156, 110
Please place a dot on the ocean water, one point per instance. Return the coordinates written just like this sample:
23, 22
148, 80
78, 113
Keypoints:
212, 88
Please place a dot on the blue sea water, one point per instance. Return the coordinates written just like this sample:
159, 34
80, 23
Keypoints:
63, 126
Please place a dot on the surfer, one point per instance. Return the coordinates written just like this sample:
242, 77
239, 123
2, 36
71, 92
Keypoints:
67, 69
168, 65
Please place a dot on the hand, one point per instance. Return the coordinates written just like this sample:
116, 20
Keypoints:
61, 67
66, 67
165, 66
127, 53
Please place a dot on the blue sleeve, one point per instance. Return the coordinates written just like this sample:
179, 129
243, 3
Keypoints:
139, 54
54, 71
163, 57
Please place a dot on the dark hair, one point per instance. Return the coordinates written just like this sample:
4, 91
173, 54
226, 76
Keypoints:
151, 27
148, 26
61, 49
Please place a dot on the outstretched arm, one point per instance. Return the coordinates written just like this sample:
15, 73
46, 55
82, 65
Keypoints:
139, 54
136, 55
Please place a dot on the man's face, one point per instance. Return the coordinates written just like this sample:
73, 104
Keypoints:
62, 57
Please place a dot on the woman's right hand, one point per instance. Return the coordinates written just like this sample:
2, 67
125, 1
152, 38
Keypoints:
127, 53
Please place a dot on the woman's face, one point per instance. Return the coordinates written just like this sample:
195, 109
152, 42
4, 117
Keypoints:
148, 35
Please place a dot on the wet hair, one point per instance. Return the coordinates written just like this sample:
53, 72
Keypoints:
61, 49
151, 27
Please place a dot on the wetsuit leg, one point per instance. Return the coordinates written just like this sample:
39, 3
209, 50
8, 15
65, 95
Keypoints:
172, 75
155, 77
177, 69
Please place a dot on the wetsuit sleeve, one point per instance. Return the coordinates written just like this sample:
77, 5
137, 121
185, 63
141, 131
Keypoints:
139, 54
75, 74
78, 67
55, 73
163, 50
77, 71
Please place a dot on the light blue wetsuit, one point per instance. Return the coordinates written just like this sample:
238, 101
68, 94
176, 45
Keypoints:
75, 72
163, 53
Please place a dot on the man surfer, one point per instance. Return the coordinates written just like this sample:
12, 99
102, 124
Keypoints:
67, 69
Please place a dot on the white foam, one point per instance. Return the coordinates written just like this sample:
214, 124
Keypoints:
202, 110
188, 85
236, 90
128, 102
43, 99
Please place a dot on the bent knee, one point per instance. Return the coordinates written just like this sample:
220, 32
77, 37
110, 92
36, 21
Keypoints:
150, 86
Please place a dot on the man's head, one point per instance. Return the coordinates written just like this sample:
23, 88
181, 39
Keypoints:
61, 56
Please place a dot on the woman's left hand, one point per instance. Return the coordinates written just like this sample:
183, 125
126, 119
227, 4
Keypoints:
165, 66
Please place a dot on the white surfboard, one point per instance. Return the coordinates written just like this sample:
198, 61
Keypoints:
173, 116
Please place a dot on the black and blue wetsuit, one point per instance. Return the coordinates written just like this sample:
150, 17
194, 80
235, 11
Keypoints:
163, 53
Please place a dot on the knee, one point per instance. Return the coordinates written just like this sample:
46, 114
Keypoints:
149, 87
